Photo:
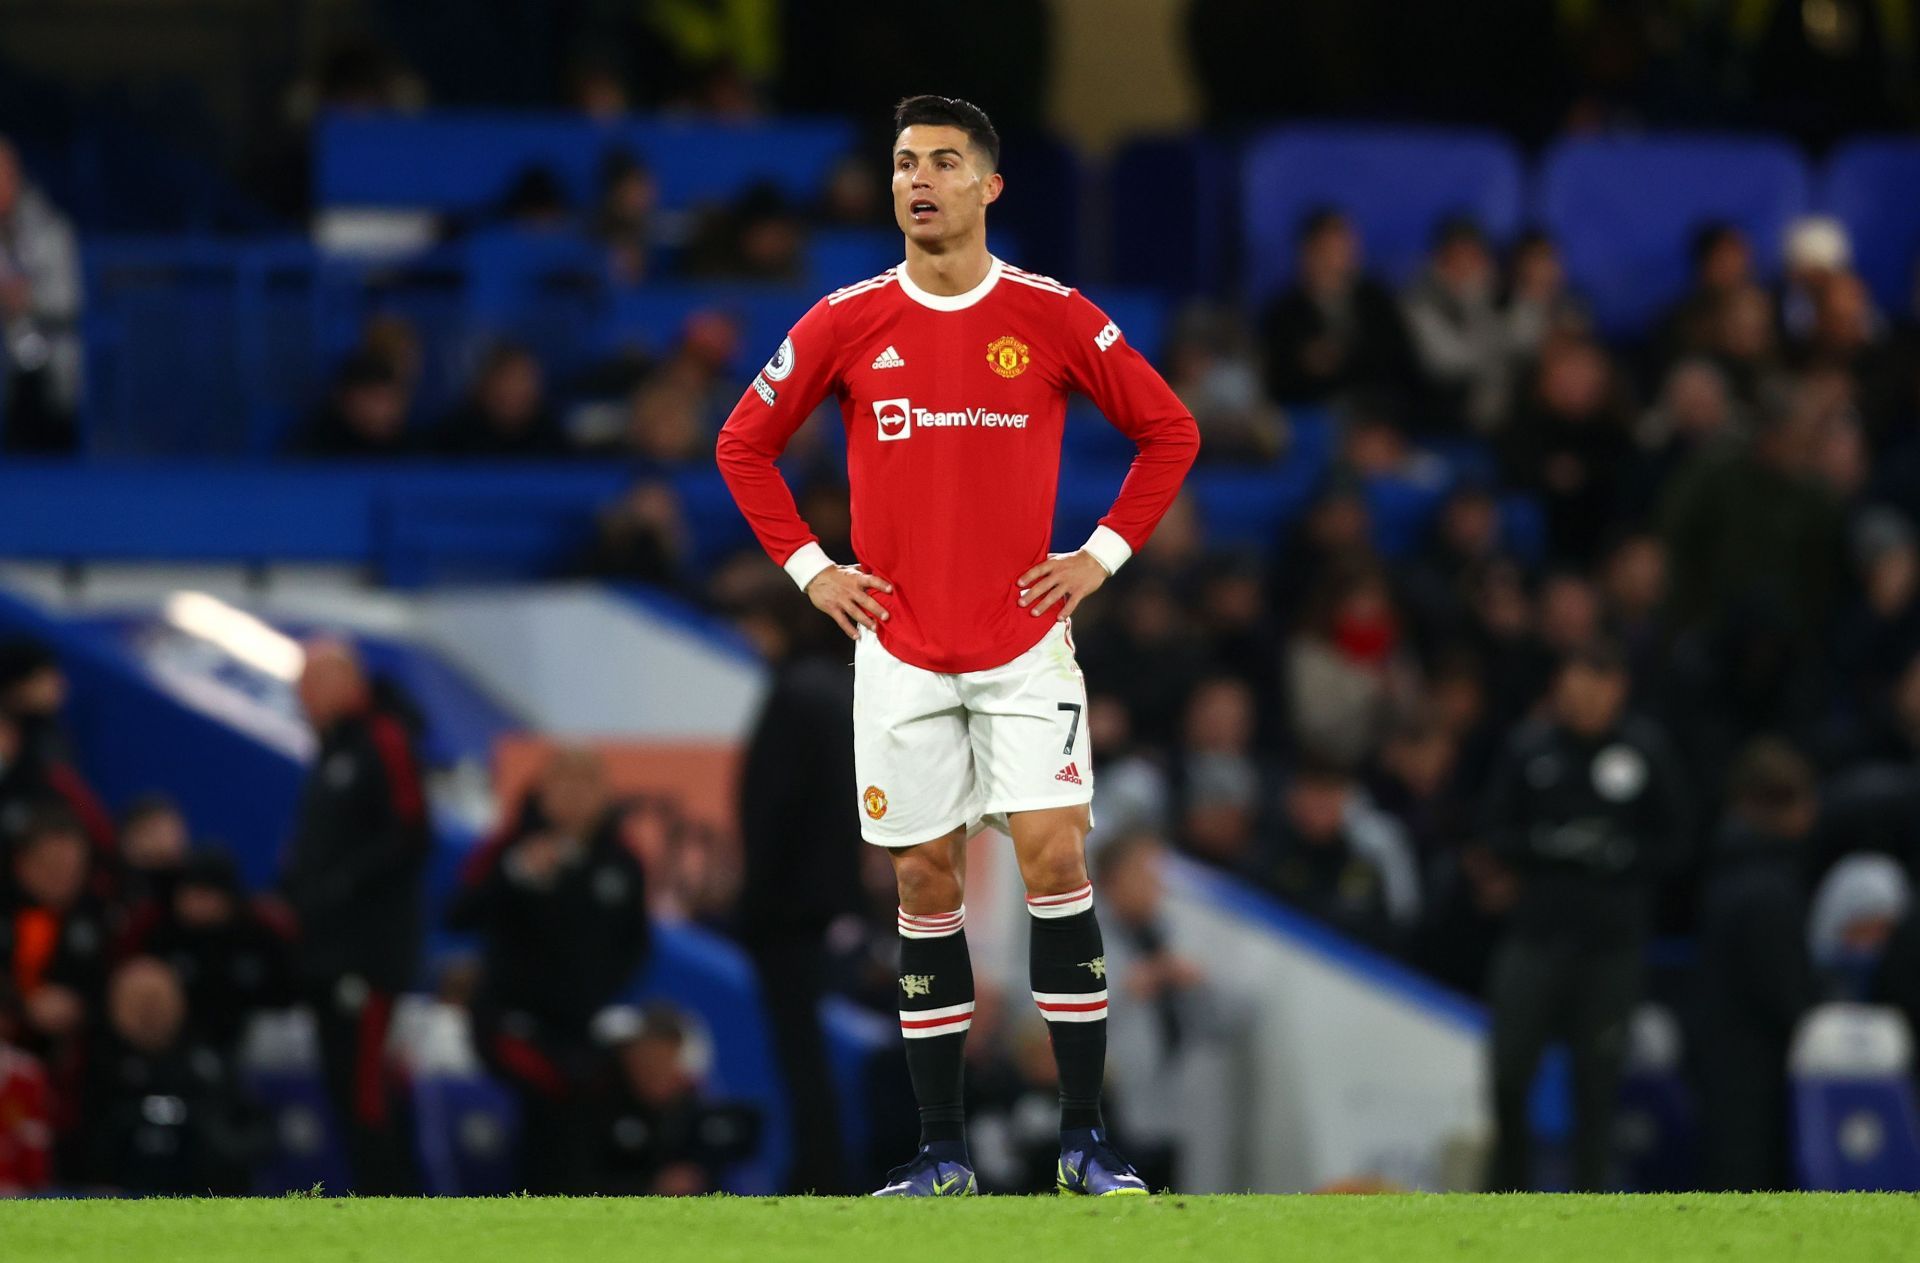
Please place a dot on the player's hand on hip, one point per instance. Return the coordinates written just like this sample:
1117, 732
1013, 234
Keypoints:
1066, 578
841, 592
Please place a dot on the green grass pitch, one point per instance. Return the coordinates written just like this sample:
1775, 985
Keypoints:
1758, 1228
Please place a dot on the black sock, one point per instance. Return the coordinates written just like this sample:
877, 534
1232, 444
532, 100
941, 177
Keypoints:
936, 1008
1068, 967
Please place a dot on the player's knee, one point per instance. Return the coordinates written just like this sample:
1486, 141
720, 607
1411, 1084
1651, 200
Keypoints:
927, 878
1057, 863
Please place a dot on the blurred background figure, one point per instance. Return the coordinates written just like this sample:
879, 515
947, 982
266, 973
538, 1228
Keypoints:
655, 1134
164, 1115
353, 882
560, 905
40, 302
1756, 977
1588, 808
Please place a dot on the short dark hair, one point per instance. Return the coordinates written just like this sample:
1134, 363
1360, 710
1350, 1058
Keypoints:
950, 111
1770, 779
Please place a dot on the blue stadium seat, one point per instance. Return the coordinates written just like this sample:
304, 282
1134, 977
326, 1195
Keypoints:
1625, 211
306, 1147
1171, 197
466, 1135
1873, 185
462, 161
1397, 185
1853, 1106
1657, 1126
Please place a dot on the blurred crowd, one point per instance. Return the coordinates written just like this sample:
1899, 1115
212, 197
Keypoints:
144, 988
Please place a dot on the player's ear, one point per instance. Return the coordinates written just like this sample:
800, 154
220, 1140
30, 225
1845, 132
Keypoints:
993, 186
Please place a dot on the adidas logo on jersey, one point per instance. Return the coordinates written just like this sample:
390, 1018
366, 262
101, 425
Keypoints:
1070, 774
889, 358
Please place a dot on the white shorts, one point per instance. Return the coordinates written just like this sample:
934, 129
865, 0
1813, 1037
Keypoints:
934, 752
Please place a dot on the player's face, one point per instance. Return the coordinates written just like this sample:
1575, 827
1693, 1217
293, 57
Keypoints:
940, 192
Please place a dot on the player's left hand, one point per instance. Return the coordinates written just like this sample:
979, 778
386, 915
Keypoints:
1065, 577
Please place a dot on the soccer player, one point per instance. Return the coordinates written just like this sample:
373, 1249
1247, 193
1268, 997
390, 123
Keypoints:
952, 373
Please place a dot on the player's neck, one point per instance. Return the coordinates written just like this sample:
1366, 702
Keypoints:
951, 272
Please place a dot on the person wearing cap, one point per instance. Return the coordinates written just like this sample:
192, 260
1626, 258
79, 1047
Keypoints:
1588, 808
1755, 974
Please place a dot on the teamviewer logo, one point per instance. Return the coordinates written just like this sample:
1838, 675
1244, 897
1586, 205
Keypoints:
895, 417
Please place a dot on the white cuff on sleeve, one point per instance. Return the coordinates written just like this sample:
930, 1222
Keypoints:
1108, 547
810, 559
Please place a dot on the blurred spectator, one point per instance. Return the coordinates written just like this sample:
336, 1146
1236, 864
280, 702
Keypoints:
154, 840
1756, 980
1415, 779
1587, 807
1722, 264
1437, 585
1339, 859
1694, 415
231, 961
535, 202
40, 303
1165, 1040
654, 1134
640, 538
1223, 782
1817, 251
1458, 330
365, 414
1132, 791
1856, 909
1336, 531
26, 1109
759, 238
623, 222
505, 414
802, 862
35, 754
1757, 523
1230, 611
55, 936
1347, 665
1145, 650
1878, 632
1334, 327
560, 905
164, 1114
353, 878
596, 88
664, 425
853, 196
1212, 369
1373, 440
1569, 445
1633, 594
1539, 303
1742, 339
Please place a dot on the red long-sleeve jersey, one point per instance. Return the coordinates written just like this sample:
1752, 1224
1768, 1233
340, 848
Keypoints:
954, 408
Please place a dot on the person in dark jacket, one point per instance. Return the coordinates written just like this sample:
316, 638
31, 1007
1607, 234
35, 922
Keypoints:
232, 961
353, 881
561, 906
1334, 328
165, 1114
1756, 980
1588, 808
802, 865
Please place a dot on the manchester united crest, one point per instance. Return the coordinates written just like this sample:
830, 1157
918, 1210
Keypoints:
876, 800
1008, 356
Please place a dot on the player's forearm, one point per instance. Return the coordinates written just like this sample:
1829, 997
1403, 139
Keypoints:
1167, 449
767, 503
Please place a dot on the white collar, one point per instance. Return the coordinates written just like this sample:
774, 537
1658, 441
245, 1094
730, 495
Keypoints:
950, 302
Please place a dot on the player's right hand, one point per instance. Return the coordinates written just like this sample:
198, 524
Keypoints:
841, 592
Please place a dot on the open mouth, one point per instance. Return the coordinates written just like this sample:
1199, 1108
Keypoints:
922, 210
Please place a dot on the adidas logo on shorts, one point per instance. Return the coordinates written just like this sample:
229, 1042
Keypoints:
889, 358
1070, 774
